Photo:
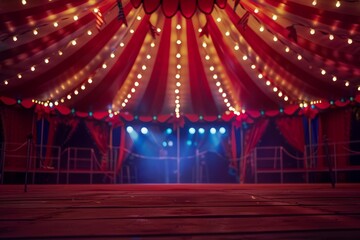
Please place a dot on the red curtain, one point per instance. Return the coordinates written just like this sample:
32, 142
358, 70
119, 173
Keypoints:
53, 126
124, 145
252, 137
293, 130
100, 133
335, 125
17, 125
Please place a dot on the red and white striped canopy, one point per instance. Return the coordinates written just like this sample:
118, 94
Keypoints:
179, 57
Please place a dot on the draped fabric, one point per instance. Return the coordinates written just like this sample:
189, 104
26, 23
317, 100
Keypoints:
60, 131
293, 131
252, 137
17, 125
335, 126
233, 151
122, 155
100, 132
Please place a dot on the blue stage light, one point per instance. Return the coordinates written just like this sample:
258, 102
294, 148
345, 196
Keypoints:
170, 143
129, 129
212, 130
144, 130
164, 144
189, 142
169, 131
222, 130
201, 130
192, 130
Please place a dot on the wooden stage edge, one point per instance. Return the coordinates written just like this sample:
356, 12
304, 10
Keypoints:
180, 211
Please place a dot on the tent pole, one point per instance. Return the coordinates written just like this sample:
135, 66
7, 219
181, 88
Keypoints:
178, 154
242, 144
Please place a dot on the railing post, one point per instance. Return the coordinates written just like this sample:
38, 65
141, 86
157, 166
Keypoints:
58, 165
68, 165
281, 165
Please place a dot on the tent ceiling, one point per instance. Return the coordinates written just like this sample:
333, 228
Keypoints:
179, 57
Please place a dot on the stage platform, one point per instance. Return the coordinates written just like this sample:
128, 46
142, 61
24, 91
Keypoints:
180, 211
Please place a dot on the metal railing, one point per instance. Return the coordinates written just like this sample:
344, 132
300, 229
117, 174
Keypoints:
329, 157
52, 160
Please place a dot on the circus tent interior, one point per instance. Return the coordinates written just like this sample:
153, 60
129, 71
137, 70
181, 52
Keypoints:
151, 91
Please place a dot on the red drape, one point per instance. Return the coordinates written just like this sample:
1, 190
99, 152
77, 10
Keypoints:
233, 152
100, 132
293, 130
252, 137
121, 156
17, 125
335, 125
53, 126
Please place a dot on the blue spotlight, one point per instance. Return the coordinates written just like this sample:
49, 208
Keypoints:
222, 130
144, 130
192, 130
169, 131
201, 130
164, 144
212, 130
170, 143
129, 129
189, 142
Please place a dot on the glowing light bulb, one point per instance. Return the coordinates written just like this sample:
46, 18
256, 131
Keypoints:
274, 17
261, 29
104, 66
350, 41
347, 83
334, 78
287, 49
15, 38
256, 10
331, 37
236, 47
314, 3
56, 24
112, 55
244, 57
73, 42
32, 68
299, 57
338, 4
19, 75
46, 60
35, 32
76, 18
90, 81
23, 2
312, 31
218, 19
178, 26
89, 32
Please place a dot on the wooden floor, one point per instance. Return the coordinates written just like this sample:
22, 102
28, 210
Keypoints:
202, 211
